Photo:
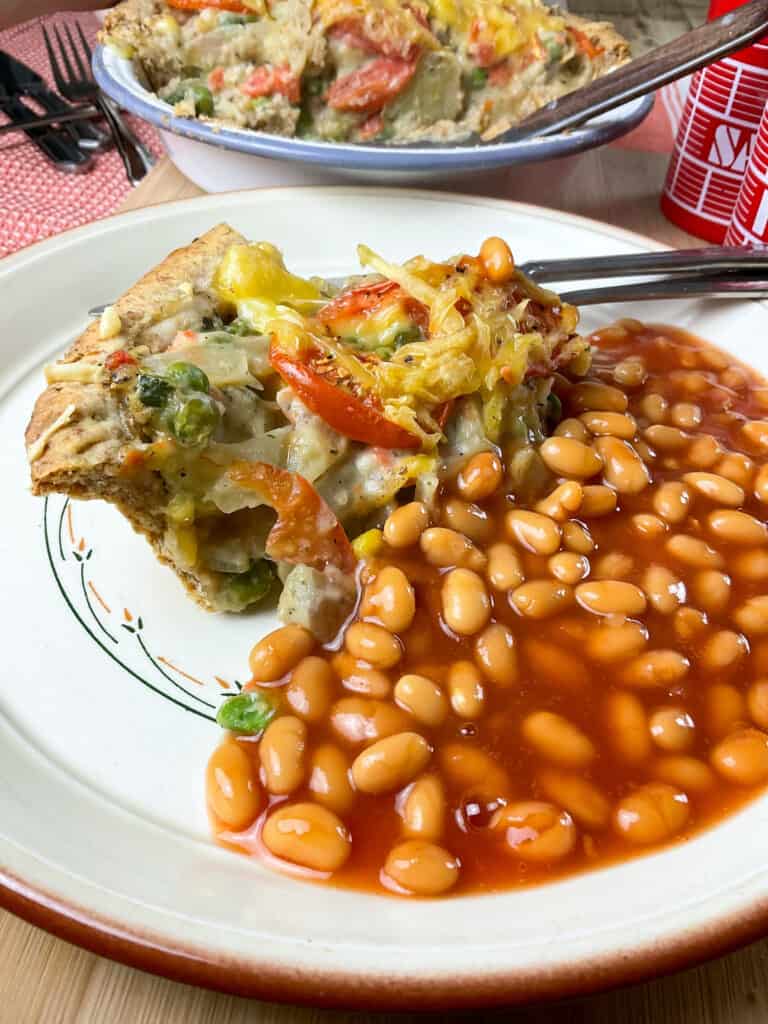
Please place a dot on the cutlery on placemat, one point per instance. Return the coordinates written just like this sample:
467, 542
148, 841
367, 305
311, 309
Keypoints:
21, 80
82, 112
72, 75
56, 144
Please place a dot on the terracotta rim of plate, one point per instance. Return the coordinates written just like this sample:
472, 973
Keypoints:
148, 951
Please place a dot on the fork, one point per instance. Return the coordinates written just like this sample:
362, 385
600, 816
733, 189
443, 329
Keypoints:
74, 81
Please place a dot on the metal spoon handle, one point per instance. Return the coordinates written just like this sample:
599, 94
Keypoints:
674, 288
716, 258
667, 63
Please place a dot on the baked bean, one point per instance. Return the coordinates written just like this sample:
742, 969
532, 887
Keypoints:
680, 770
757, 702
562, 502
672, 501
280, 651
736, 467
368, 642
652, 813
664, 590
733, 377
497, 260
424, 808
656, 668
761, 484
496, 655
536, 831
310, 689
737, 527
597, 500
672, 729
389, 597
613, 565
480, 477
654, 407
615, 641
703, 452
422, 698
540, 599
666, 439
644, 450
308, 835
755, 432
694, 552
553, 666
571, 427
750, 565
281, 752
422, 868
752, 616
691, 383
469, 519
465, 690
648, 526
329, 779
711, 590
568, 567
465, 602
359, 677
557, 739
742, 757
232, 789
723, 651
623, 468
591, 395
567, 457
689, 623
406, 524
627, 726
390, 763
364, 720
582, 799
444, 548
630, 372
686, 415
576, 537
724, 709
504, 569
611, 597
615, 424
533, 531
716, 488
472, 770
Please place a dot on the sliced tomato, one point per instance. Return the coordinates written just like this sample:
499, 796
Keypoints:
368, 299
584, 44
235, 6
216, 79
269, 81
306, 532
358, 418
372, 86
117, 359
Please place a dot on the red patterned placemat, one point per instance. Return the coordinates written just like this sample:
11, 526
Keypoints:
36, 200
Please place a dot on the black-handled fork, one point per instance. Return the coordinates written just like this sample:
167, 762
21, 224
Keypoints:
72, 75
56, 145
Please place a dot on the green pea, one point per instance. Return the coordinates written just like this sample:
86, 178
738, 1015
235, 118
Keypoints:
478, 78
188, 377
250, 711
252, 586
195, 420
201, 95
153, 391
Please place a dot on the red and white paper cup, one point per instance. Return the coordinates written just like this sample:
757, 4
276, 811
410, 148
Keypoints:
749, 222
719, 124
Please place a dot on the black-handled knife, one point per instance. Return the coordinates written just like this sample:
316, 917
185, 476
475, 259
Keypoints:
19, 79
54, 143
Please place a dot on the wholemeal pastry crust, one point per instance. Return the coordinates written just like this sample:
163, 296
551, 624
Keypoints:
84, 458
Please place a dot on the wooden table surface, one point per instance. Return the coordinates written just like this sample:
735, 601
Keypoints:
43, 979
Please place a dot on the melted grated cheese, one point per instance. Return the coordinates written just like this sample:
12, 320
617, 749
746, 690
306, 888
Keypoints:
80, 371
36, 449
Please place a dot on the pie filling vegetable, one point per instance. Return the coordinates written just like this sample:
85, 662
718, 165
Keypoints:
362, 70
259, 427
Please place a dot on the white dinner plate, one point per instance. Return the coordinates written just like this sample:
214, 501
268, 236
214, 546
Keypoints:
111, 676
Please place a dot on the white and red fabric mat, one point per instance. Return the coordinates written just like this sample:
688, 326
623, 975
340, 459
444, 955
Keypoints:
37, 201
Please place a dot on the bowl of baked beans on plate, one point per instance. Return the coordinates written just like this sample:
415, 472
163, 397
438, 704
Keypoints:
434, 671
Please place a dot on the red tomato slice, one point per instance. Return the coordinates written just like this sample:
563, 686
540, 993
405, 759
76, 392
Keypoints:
268, 80
235, 6
368, 299
371, 87
306, 532
584, 43
359, 419
119, 358
216, 80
